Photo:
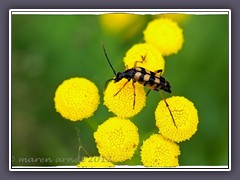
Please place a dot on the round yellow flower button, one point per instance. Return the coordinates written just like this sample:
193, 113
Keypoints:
185, 117
76, 99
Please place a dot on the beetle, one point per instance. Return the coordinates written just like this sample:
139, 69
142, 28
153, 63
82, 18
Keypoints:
150, 79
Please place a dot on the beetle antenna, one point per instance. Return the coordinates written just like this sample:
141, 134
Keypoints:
105, 53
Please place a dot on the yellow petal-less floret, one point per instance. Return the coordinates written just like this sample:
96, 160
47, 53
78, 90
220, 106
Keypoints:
157, 151
117, 139
122, 103
76, 99
153, 57
164, 34
117, 22
185, 116
95, 162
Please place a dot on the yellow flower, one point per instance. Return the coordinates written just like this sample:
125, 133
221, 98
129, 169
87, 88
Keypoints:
122, 104
157, 151
117, 139
76, 99
95, 162
126, 24
153, 57
185, 116
165, 34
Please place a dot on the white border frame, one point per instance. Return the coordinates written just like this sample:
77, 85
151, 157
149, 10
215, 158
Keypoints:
103, 11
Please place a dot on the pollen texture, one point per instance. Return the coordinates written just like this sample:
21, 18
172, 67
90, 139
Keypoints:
157, 151
95, 162
76, 99
153, 57
122, 104
164, 34
185, 116
117, 139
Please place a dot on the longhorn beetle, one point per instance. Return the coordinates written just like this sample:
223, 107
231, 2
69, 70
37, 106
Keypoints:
152, 80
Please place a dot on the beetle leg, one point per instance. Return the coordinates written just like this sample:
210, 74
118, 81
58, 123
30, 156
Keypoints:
143, 59
134, 93
168, 109
121, 88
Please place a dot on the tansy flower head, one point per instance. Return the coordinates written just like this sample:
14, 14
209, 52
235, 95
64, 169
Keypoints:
164, 34
185, 117
117, 139
122, 104
76, 99
157, 151
95, 162
153, 57
115, 23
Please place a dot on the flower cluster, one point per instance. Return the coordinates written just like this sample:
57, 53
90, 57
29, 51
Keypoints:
162, 37
117, 138
176, 117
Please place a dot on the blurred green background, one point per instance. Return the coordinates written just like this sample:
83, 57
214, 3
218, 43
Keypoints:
48, 49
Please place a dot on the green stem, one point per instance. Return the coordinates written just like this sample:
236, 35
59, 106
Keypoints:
92, 124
